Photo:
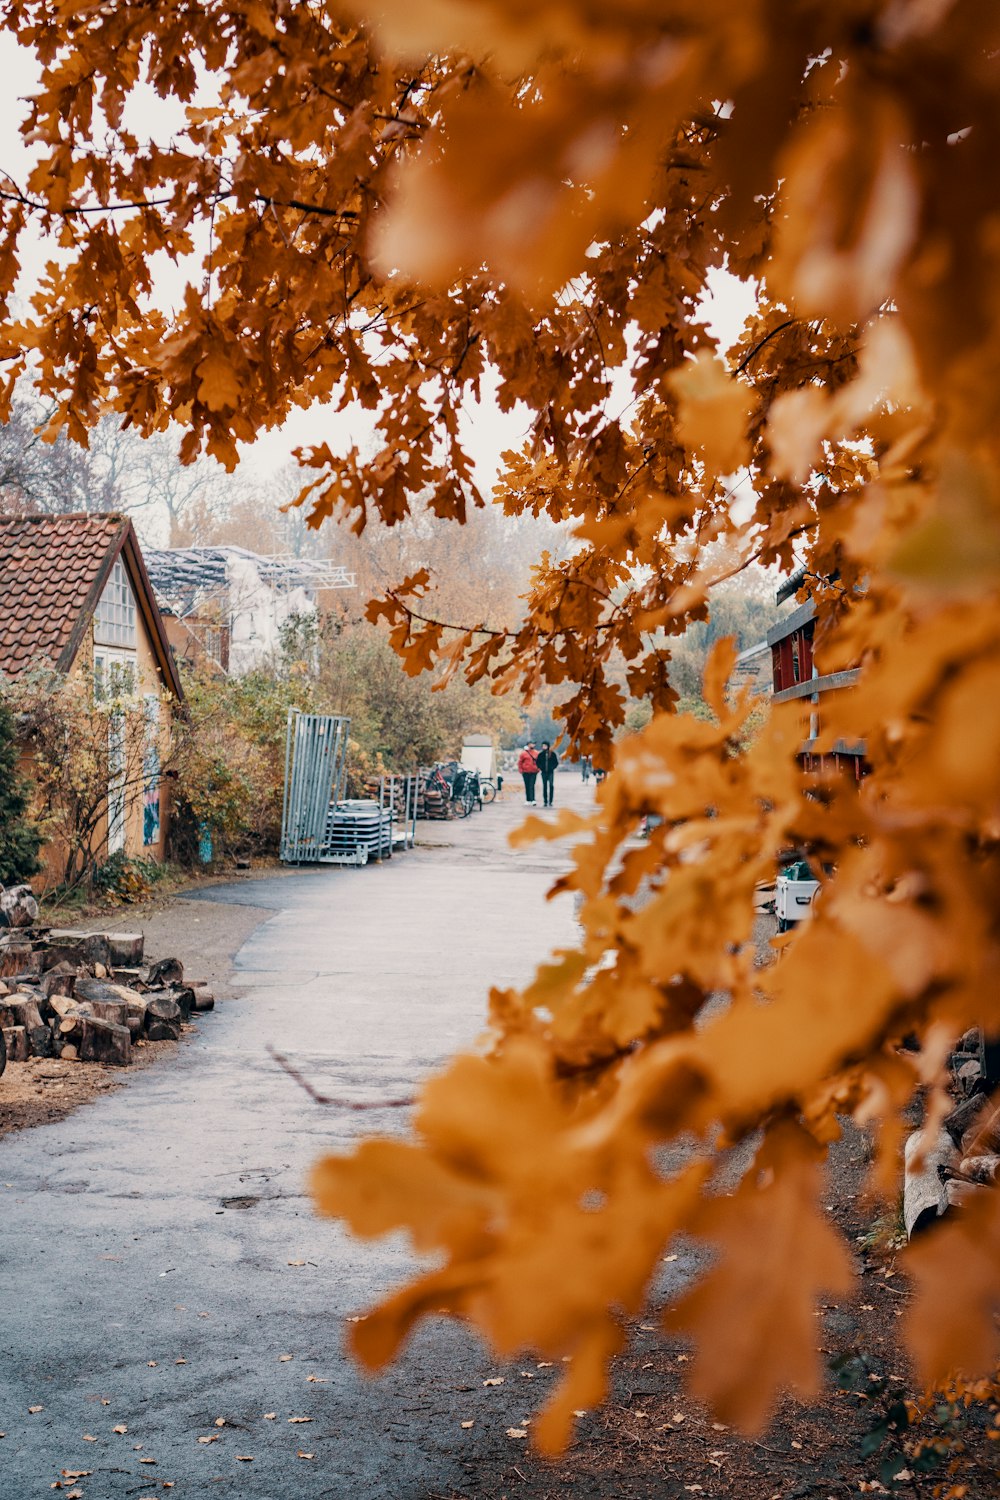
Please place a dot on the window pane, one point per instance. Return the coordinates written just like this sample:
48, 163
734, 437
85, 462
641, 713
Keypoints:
114, 618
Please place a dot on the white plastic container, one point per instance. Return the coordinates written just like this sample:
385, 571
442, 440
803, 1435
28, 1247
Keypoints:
794, 898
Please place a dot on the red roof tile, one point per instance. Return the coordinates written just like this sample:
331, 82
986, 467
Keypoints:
50, 568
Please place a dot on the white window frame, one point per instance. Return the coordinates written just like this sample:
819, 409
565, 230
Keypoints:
115, 615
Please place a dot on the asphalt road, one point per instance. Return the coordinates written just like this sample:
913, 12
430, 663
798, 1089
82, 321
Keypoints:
146, 1241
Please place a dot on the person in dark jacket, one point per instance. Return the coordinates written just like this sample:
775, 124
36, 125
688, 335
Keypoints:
547, 762
527, 764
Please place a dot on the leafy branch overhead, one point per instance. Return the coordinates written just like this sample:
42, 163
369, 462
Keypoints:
534, 202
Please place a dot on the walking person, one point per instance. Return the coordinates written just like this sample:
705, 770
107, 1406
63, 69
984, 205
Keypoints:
527, 764
585, 768
547, 762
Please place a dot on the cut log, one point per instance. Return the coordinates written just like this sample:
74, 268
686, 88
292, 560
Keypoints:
126, 949
16, 958
163, 1031
110, 1010
183, 997
981, 1169
16, 1039
132, 977
58, 980
163, 1019
20, 1010
18, 907
62, 956
97, 949
924, 1197
97, 991
66, 1005
40, 1041
96, 1040
69, 1052
204, 1000
164, 972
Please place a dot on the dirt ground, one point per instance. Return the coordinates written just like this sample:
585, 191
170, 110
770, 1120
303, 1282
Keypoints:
205, 936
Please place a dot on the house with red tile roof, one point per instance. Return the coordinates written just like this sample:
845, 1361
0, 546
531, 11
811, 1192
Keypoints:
75, 596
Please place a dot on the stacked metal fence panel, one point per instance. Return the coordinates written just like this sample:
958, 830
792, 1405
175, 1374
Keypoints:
358, 830
315, 771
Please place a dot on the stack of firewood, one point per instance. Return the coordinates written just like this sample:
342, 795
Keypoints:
962, 1159
88, 996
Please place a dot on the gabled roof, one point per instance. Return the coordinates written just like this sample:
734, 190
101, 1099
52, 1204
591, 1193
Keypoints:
53, 570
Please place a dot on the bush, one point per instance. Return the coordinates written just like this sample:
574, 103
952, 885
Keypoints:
20, 838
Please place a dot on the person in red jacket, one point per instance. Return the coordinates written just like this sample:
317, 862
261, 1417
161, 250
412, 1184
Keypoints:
528, 767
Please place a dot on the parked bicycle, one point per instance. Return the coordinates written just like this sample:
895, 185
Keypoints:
488, 789
466, 792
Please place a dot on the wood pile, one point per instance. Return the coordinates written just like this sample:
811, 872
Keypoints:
433, 801
963, 1159
88, 996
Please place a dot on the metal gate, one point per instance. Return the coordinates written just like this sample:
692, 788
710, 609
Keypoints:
315, 773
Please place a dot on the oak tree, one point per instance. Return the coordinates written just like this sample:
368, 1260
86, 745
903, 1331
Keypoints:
392, 203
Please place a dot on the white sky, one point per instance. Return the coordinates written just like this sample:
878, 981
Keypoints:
488, 430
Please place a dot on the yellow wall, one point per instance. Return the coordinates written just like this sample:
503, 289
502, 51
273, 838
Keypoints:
150, 681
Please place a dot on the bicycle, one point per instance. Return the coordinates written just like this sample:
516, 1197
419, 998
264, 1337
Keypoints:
466, 792
487, 790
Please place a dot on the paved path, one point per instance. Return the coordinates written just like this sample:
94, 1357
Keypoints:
146, 1240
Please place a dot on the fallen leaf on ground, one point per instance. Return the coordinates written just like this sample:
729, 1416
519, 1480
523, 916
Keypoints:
76, 1473
33, 1409
269, 1416
244, 1458
283, 1358
317, 1380
517, 1432
306, 1455
495, 1380
544, 1364
468, 1424
212, 1438
220, 1421
180, 1361
678, 1416
671, 1257
89, 1438
120, 1428
300, 1419
147, 1460
151, 1364
296, 1262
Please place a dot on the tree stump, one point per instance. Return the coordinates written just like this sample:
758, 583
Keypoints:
126, 949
